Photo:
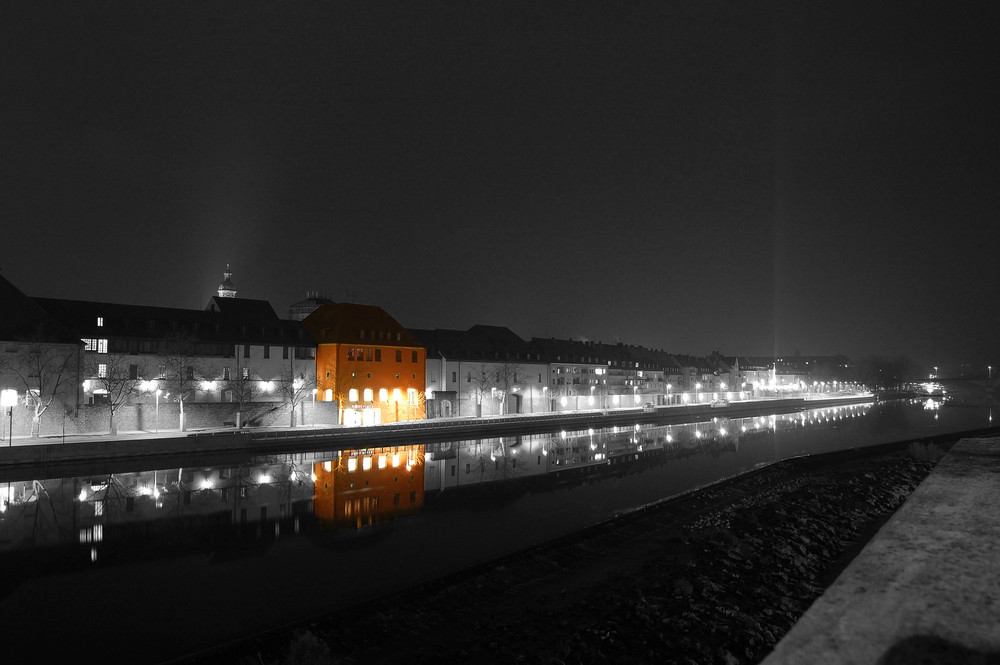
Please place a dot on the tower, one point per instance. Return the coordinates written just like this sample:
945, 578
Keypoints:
227, 289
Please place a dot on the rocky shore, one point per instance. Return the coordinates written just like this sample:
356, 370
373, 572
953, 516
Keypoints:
715, 576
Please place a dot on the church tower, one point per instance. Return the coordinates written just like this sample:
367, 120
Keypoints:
227, 289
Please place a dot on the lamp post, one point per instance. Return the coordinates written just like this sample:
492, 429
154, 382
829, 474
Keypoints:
697, 388
8, 398
158, 391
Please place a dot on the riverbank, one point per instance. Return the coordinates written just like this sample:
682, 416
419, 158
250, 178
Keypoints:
717, 575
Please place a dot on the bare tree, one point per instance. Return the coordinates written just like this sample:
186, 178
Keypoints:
118, 378
508, 378
482, 380
181, 370
296, 389
45, 369
245, 389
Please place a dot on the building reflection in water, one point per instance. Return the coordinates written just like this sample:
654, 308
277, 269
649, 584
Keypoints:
275, 496
368, 485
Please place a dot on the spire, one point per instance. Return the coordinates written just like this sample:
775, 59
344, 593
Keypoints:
227, 289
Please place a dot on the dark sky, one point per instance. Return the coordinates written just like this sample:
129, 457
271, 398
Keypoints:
748, 177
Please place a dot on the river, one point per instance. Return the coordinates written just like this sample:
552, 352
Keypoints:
155, 564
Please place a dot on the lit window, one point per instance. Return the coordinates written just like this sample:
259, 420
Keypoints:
395, 459
89, 344
382, 461
102, 346
412, 395
328, 466
397, 394
383, 395
102, 370
366, 464
328, 395
369, 395
352, 395
246, 373
100, 322
352, 464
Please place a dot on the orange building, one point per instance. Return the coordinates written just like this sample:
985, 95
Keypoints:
368, 363
367, 485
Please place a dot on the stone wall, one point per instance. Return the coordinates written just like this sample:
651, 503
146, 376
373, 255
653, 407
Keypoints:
94, 418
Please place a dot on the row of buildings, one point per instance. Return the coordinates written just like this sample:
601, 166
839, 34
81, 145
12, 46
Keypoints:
346, 362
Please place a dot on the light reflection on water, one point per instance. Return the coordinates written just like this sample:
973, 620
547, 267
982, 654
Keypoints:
410, 512
355, 488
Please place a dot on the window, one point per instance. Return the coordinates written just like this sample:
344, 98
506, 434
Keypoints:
378, 355
468, 377
190, 373
383, 395
362, 334
368, 355
102, 346
284, 353
267, 351
397, 395
133, 371
225, 373
246, 373
411, 394
454, 377
102, 370
350, 354
246, 350
91, 344
398, 337
163, 372
100, 322
352, 395
413, 358
399, 356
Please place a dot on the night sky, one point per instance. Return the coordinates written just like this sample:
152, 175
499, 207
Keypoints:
754, 178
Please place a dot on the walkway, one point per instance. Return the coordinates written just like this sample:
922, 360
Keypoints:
927, 588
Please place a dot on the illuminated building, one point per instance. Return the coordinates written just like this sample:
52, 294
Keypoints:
367, 363
367, 485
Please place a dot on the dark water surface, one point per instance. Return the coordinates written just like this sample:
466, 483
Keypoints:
153, 564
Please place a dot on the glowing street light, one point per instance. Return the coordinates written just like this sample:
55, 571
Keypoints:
8, 398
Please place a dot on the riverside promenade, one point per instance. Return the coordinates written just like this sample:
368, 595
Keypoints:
274, 440
926, 588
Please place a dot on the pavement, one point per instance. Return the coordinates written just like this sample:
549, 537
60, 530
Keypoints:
926, 588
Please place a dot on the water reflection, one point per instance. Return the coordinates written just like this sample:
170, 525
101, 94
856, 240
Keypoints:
225, 508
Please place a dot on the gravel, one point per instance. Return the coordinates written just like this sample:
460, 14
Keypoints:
715, 576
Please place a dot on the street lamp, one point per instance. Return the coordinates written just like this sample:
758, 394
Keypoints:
697, 388
158, 391
8, 398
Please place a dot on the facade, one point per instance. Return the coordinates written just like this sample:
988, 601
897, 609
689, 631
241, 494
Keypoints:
367, 363
483, 371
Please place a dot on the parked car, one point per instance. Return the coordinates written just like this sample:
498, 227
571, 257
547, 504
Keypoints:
716, 403
648, 407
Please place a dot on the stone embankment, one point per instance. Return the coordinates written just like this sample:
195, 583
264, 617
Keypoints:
715, 576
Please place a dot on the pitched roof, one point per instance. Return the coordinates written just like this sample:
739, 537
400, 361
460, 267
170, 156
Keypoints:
23, 318
350, 323
250, 312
